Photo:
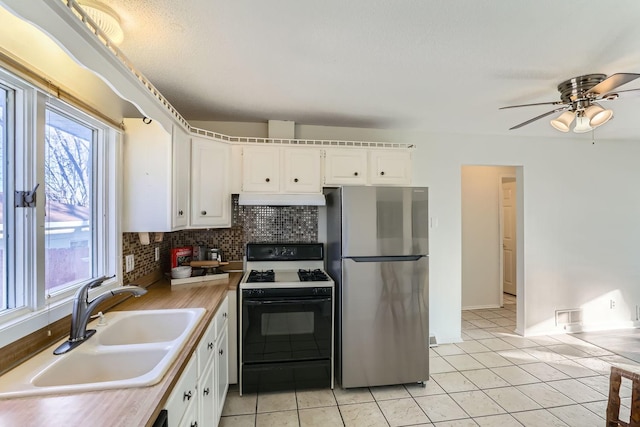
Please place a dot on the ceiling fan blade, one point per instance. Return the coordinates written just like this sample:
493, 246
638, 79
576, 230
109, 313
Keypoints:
548, 113
614, 95
612, 82
531, 105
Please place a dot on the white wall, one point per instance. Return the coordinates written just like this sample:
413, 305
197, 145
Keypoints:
481, 244
580, 223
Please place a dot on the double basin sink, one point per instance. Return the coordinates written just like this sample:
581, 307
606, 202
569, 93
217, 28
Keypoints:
129, 349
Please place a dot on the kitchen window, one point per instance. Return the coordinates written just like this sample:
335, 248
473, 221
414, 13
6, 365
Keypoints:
70, 235
69, 215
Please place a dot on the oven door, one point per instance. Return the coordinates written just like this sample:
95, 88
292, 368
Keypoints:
283, 325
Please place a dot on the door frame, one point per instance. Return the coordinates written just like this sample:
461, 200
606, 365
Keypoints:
501, 179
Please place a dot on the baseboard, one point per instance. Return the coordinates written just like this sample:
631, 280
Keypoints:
480, 307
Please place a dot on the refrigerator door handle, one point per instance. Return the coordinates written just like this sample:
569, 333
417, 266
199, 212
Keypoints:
386, 258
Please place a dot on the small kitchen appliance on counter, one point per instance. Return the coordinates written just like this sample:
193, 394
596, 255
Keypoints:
377, 253
286, 323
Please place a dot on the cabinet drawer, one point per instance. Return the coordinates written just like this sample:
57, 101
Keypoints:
183, 393
222, 315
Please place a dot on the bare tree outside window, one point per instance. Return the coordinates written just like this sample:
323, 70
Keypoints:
68, 191
4, 292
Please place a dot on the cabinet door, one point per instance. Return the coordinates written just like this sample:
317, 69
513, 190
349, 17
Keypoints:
390, 167
261, 169
301, 170
345, 166
208, 414
210, 196
182, 395
232, 335
181, 162
191, 416
222, 371
147, 177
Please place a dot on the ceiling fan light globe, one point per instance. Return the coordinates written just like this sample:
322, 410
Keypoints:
582, 125
600, 117
563, 121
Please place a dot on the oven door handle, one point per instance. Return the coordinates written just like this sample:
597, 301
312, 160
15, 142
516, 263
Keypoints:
285, 301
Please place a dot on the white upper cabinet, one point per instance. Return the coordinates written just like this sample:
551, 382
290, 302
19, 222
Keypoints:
210, 183
389, 167
281, 170
301, 170
155, 178
345, 166
353, 166
261, 169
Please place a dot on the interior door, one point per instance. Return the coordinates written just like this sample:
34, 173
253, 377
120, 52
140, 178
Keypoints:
509, 235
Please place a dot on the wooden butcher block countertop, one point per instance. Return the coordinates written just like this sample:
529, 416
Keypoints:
138, 406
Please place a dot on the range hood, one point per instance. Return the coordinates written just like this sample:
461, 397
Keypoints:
261, 199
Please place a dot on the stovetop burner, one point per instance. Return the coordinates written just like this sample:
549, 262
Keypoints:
316, 275
256, 276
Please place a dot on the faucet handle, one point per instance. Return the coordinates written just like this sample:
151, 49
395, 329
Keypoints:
99, 281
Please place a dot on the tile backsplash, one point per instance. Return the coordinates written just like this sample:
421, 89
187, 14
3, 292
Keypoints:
250, 224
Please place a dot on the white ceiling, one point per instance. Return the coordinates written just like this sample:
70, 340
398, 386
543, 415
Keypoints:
442, 66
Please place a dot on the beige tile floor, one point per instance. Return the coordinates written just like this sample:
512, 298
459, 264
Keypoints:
493, 378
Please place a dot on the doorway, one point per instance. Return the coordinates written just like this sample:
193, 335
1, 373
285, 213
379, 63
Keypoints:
491, 224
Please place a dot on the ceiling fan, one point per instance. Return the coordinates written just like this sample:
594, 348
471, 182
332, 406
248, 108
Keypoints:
579, 100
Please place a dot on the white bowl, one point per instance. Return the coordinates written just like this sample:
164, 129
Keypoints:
181, 272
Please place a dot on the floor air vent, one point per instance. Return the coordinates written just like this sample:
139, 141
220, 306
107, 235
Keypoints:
432, 341
568, 317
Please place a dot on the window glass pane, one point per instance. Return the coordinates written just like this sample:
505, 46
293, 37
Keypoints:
4, 111
69, 222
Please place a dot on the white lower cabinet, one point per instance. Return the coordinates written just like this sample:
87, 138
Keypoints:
198, 397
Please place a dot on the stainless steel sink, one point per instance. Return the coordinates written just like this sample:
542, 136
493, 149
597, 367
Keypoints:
133, 349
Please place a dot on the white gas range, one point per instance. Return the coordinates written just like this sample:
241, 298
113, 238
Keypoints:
285, 265
286, 324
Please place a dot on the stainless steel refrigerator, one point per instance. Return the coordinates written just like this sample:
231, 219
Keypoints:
378, 255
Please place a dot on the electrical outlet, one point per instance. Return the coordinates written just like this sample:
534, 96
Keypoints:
612, 304
129, 264
157, 254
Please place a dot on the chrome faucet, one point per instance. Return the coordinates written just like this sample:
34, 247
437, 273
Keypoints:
82, 309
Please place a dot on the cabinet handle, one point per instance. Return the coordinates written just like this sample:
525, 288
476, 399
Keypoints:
194, 424
221, 351
381, 172
295, 180
267, 180
180, 212
203, 212
206, 391
210, 346
224, 314
187, 395
355, 174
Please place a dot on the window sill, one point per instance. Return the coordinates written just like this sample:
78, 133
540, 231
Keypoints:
32, 321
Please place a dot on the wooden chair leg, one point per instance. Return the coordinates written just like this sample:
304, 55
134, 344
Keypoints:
635, 405
613, 406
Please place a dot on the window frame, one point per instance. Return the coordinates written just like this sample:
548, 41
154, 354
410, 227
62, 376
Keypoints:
28, 255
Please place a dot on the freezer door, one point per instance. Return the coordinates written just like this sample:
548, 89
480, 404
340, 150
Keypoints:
381, 221
384, 321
